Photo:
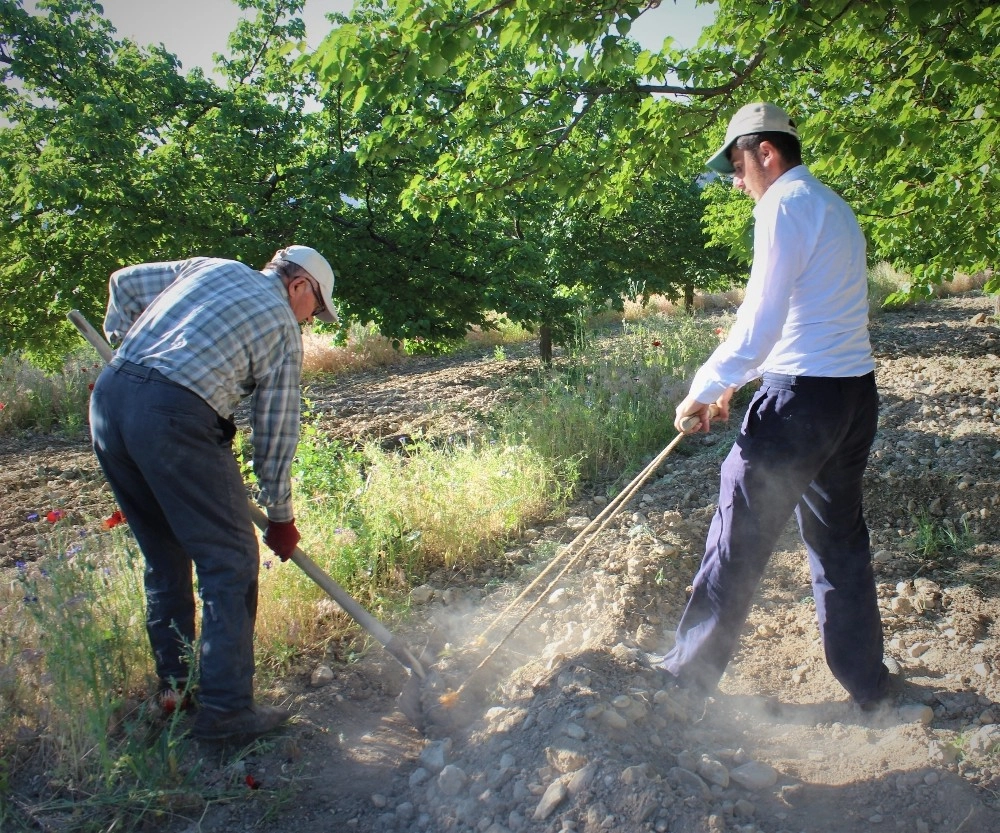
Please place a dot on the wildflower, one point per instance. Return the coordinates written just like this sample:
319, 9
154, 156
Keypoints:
74, 549
657, 343
252, 782
20, 564
2, 405
111, 522
30, 600
55, 515
32, 516
267, 565
90, 386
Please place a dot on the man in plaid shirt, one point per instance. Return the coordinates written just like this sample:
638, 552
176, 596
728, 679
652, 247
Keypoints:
193, 338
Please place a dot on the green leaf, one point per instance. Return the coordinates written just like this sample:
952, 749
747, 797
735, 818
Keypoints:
437, 65
360, 97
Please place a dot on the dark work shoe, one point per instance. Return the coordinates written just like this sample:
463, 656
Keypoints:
665, 679
893, 687
251, 722
654, 662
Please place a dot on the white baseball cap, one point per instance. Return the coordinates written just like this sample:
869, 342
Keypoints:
758, 117
318, 268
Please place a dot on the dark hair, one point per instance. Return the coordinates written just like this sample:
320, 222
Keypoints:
785, 143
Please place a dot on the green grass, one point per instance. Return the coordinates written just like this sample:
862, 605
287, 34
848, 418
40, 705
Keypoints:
73, 658
612, 404
934, 540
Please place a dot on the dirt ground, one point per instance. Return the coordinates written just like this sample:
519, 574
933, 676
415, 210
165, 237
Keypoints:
566, 728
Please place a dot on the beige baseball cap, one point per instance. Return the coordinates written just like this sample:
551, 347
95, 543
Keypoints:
758, 117
318, 267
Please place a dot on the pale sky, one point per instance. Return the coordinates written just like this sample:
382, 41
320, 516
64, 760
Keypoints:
195, 29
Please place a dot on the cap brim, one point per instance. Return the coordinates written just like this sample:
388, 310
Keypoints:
720, 162
329, 315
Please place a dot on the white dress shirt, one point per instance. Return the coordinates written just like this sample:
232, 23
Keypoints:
805, 311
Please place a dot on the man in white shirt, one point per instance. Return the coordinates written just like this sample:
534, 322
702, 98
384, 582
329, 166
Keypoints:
804, 444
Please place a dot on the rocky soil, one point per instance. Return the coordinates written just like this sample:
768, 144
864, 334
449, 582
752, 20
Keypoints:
566, 728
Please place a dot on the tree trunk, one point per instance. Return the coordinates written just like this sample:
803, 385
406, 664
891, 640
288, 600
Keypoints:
688, 297
545, 343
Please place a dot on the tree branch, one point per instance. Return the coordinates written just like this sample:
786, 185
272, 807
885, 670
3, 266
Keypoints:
564, 133
695, 92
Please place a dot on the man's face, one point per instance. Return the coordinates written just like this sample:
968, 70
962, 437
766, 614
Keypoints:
304, 298
749, 174
756, 170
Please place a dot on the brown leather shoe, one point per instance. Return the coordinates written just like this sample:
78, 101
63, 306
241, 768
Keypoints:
255, 720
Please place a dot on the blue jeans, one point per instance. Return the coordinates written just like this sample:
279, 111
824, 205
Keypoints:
802, 448
168, 457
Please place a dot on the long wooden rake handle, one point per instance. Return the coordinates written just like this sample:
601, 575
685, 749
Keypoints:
593, 529
598, 523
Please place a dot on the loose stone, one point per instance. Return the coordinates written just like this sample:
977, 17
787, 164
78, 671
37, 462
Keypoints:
754, 775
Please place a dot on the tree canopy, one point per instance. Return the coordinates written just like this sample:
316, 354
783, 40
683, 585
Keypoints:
455, 158
112, 156
897, 104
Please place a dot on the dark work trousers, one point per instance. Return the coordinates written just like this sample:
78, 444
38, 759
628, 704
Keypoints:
803, 447
168, 457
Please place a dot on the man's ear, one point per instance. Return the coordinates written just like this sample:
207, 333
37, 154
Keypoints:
767, 152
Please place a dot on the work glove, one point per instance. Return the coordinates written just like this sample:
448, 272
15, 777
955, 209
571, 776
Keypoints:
281, 537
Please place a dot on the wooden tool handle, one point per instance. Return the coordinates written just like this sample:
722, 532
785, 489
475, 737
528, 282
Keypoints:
88, 332
690, 423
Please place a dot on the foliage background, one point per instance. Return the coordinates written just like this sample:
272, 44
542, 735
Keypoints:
460, 158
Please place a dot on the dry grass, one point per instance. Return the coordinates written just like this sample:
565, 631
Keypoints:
663, 306
365, 348
960, 284
884, 280
502, 331
32, 398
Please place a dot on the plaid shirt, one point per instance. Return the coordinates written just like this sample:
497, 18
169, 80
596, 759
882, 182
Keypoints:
224, 331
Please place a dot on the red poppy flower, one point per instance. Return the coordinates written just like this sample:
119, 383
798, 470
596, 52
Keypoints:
55, 515
252, 782
90, 386
116, 518
2, 406
657, 343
